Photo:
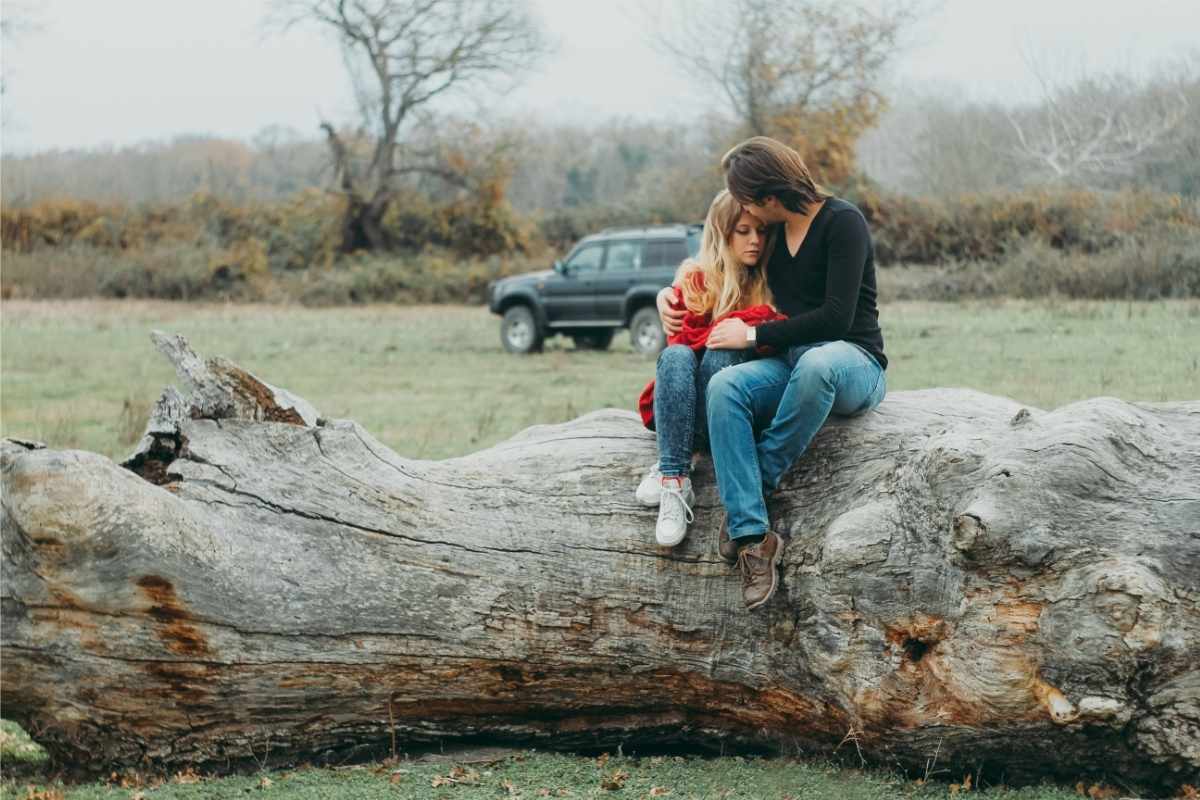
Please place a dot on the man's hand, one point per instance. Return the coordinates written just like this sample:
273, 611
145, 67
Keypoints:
672, 318
729, 334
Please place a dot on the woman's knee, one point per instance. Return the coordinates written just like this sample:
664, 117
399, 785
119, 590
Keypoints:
716, 360
677, 359
676, 354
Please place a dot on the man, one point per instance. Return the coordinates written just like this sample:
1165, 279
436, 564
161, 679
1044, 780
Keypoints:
763, 414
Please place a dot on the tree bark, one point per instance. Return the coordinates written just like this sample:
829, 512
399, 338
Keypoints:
969, 584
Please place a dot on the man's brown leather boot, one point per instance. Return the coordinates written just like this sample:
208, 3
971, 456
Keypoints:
758, 564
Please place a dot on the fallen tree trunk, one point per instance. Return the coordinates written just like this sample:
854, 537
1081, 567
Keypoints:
968, 584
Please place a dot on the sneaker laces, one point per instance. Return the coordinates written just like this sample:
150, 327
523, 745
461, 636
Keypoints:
671, 511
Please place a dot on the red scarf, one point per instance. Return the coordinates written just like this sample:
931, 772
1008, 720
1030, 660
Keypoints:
694, 334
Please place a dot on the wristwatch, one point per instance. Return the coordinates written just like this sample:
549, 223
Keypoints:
751, 334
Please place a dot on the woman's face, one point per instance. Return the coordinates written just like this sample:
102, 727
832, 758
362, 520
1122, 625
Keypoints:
746, 241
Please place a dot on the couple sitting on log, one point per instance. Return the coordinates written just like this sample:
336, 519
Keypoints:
774, 328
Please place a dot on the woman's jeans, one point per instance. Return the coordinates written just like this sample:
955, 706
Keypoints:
680, 381
785, 399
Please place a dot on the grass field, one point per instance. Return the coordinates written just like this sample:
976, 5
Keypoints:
432, 382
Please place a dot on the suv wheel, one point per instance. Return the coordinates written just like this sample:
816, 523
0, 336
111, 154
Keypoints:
598, 339
519, 331
646, 332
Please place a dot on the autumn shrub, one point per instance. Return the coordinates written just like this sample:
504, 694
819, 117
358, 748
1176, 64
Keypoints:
1149, 266
52, 222
63, 272
475, 224
183, 273
986, 227
435, 276
1080, 244
562, 228
1152, 266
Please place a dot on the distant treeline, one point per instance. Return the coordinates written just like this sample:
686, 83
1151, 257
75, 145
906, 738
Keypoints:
1099, 134
1002, 200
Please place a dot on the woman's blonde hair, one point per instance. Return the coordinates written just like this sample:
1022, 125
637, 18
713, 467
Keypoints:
726, 284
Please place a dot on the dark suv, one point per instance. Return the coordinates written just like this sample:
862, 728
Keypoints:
608, 281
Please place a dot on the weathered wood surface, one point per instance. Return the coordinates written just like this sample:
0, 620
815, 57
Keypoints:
967, 580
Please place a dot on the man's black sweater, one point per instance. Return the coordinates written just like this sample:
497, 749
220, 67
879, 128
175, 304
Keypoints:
827, 289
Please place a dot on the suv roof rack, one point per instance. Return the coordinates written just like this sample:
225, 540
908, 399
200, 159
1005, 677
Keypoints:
642, 228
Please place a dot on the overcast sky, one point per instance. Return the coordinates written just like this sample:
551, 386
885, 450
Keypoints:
116, 72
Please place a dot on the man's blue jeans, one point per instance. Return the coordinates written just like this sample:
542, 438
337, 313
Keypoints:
785, 400
680, 381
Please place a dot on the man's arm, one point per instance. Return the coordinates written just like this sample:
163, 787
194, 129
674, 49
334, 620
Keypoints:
672, 318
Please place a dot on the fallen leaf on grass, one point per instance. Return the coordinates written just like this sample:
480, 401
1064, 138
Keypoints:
511, 788
189, 775
601, 760
126, 780
1188, 792
659, 791
614, 781
458, 775
44, 794
265, 782
1098, 791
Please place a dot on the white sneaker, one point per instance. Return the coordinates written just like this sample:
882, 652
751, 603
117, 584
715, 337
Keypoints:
650, 489
674, 511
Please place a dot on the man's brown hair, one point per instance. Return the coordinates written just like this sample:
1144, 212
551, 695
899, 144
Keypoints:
762, 167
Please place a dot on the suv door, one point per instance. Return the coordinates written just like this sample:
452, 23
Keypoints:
622, 268
662, 259
567, 297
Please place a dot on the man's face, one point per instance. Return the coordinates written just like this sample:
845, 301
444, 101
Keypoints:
768, 210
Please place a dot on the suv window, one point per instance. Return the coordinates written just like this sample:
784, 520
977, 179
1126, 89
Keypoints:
623, 256
587, 258
693, 241
664, 253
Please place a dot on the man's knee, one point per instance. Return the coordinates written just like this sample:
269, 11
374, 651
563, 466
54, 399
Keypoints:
724, 390
820, 364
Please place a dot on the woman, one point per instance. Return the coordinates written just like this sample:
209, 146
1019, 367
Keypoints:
727, 281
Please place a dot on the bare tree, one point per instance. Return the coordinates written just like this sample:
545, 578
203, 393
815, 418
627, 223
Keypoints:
802, 70
402, 56
934, 141
1099, 126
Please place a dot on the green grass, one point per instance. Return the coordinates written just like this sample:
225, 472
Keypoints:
432, 382
533, 775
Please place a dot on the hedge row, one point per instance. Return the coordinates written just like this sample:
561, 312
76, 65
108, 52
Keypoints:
1074, 243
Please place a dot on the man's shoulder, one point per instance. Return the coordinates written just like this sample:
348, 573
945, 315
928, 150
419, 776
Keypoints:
845, 217
837, 207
